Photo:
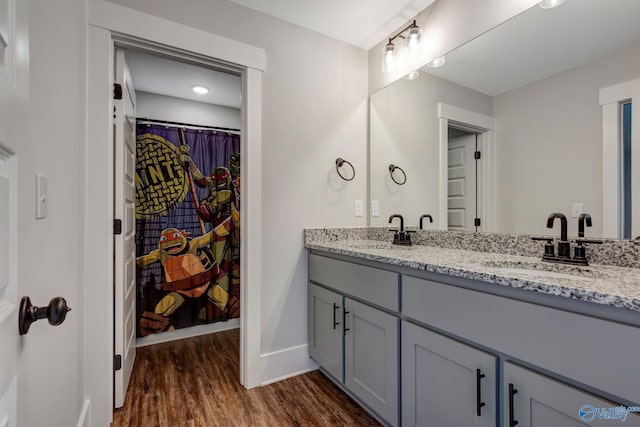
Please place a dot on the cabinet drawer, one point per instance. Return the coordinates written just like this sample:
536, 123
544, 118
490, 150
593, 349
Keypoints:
593, 351
379, 287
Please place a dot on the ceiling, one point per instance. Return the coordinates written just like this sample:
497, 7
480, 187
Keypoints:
362, 23
535, 45
163, 76
541, 43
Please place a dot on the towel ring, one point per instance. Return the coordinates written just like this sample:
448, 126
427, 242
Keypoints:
392, 169
339, 163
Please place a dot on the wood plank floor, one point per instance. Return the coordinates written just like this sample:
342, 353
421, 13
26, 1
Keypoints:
194, 382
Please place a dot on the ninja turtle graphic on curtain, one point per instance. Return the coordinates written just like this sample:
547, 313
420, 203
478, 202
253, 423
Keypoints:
188, 227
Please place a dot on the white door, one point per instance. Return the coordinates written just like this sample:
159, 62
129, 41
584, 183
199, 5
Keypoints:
461, 184
125, 248
13, 104
9, 352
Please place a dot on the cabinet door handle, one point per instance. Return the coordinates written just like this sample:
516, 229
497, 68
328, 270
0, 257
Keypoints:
335, 307
512, 391
479, 402
344, 322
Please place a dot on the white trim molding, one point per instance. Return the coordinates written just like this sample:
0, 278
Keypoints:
290, 362
122, 20
485, 126
110, 23
193, 331
84, 420
251, 225
610, 99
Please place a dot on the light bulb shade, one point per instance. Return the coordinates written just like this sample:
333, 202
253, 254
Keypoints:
388, 58
548, 4
412, 40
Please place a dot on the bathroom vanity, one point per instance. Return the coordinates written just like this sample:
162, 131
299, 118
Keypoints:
433, 336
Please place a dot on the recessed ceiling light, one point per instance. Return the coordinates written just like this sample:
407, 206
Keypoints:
412, 75
438, 62
548, 4
200, 90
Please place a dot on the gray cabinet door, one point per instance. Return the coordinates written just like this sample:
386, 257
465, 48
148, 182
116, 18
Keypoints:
445, 383
325, 330
534, 400
371, 358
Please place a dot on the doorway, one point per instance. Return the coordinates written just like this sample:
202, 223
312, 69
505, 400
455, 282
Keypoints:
107, 29
472, 156
177, 134
621, 157
462, 177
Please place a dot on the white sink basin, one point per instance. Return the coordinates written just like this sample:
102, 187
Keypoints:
381, 245
543, 269
538, 273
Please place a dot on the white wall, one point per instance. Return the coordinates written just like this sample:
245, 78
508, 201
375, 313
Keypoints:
404, 127
549, 146
447, 24
54, 265
160, 107
314, 110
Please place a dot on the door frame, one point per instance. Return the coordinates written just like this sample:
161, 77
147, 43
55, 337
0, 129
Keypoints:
470, 176
609, 99
109, 24
450, 115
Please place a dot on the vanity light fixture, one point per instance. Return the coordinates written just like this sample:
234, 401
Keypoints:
200, 90
412, 35
389, 58
412, 40
548, 4
412, 75
438, 62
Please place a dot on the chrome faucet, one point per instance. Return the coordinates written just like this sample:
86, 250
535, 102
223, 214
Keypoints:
423, 217
400, 237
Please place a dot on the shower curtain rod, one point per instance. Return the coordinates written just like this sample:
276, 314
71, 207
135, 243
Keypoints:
180, 124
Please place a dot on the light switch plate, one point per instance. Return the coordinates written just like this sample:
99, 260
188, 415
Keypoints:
41, 196
375, 208
577, 209
359, 211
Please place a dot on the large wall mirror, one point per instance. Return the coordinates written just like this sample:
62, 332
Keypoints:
532, 117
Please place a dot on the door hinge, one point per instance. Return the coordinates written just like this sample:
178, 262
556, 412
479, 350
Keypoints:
117, 91
117, 226
117, 362
476, 155
476, 222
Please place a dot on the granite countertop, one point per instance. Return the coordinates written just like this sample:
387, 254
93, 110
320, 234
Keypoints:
601, 284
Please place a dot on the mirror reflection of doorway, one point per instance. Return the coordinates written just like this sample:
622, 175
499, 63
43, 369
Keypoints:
625, 173
462, 203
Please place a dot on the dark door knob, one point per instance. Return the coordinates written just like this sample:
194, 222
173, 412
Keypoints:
56, 312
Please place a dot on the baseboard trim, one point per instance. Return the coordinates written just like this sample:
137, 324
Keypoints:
85, 418
193, 331
286, 363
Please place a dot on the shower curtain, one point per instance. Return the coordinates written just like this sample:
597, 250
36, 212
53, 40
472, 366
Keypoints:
188, 227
